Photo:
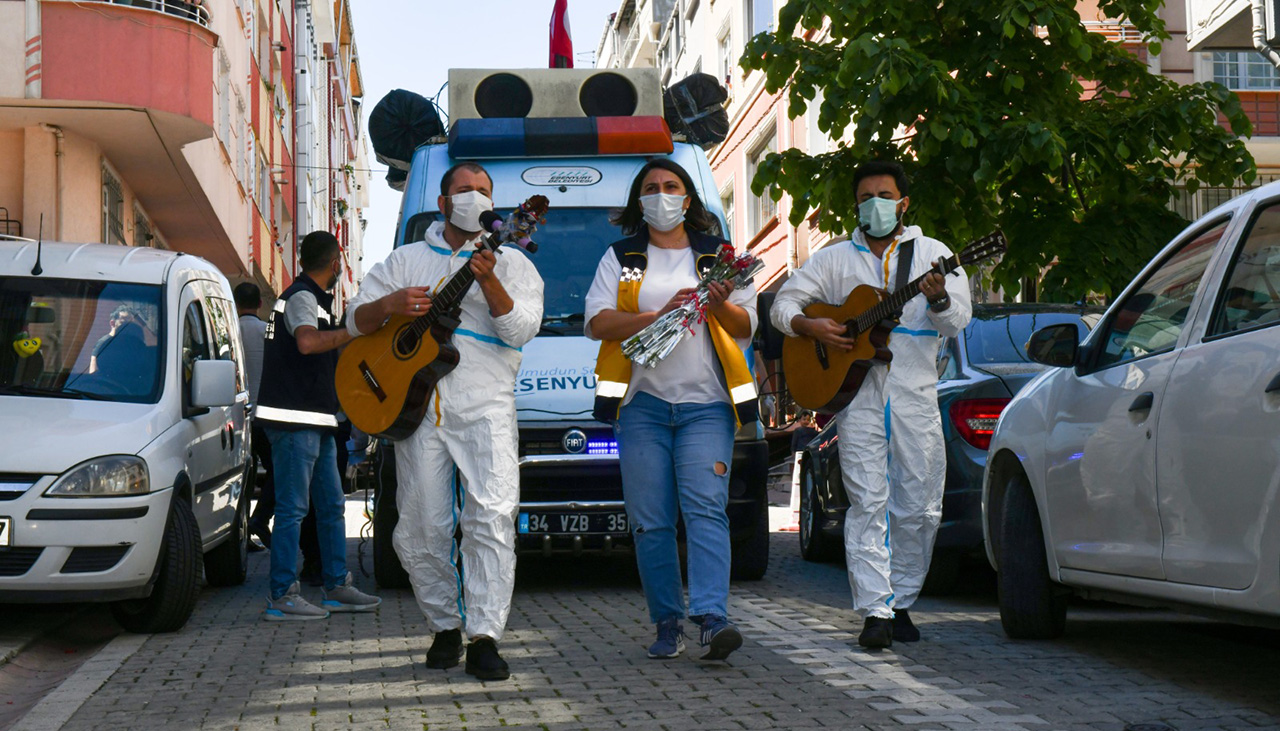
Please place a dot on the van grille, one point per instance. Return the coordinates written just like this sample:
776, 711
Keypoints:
15, 485
88, 559
18, 561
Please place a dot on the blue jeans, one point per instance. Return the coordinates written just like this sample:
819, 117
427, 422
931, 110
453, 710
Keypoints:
675, 461
305, 463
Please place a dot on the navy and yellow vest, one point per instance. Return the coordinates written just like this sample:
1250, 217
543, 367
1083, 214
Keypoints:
613, 369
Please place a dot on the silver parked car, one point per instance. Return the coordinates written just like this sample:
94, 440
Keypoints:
1146, 467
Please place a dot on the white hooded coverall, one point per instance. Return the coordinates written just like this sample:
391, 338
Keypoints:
470, 424
892, 457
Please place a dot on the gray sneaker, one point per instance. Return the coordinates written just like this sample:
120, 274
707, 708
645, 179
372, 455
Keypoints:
347, 598
292, 608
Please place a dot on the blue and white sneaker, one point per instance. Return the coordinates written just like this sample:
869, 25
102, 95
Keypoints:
347, 598
670, 640
292, 608
720, 636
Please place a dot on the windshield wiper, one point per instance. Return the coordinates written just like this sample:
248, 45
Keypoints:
564, 322
70, 393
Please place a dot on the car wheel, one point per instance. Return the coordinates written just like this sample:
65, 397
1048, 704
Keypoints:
815, 544
387, 570
173, 596
751, 556
228, 564
1032, 605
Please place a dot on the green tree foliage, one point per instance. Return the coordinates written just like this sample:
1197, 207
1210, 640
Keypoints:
1006, 113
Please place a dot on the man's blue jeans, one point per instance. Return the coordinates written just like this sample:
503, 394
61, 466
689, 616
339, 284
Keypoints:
675, 461
305, 463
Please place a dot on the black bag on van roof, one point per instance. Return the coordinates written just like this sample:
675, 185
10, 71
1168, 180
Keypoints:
401, 122
694, 106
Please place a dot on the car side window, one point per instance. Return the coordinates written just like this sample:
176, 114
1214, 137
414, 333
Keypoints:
225, 344
1152, 318
1251, 298
948, 363
195, 346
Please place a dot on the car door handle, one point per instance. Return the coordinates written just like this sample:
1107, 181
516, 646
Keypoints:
1274, 385
1143, 402
222, 434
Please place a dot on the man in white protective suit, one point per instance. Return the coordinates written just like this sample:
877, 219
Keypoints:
891, 447
460, 466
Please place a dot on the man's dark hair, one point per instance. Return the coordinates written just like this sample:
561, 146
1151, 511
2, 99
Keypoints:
872, 168
631, 218
247, 296
318, 249
447, 179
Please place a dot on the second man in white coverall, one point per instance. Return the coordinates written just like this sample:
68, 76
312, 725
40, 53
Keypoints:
892, 456
469, 438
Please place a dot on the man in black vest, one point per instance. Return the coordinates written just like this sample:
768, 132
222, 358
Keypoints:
297, 407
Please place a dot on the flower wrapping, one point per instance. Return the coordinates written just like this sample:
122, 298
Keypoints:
654, 343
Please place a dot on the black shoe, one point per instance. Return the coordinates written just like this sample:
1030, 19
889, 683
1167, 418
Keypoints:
310, 573
877, 633
484, 662
446, 649
903, 629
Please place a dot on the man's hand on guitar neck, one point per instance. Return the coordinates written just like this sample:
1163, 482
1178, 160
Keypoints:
824, 330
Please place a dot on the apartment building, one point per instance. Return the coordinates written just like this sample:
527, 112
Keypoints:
172, 124
686, 36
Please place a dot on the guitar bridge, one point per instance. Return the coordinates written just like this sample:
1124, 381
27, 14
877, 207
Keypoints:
367, 374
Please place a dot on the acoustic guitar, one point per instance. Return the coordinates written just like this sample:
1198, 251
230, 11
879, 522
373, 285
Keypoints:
385, 380
825, 379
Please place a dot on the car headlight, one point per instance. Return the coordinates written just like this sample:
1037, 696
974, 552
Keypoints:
105, 477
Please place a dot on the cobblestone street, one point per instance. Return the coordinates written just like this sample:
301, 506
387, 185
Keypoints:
576, 646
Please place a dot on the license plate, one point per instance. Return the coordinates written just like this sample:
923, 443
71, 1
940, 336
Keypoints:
573, 523
6, 532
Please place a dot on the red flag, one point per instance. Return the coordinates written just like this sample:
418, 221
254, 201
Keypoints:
561, 42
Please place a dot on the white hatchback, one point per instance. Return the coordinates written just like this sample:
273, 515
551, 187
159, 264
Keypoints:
1146, 467
123, 413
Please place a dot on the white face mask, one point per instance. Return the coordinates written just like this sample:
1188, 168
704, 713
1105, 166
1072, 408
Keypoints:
663, 211
466, 210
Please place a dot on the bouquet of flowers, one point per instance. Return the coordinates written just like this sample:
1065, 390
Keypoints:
649, 346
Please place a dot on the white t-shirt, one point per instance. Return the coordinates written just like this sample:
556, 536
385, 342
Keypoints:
692, 373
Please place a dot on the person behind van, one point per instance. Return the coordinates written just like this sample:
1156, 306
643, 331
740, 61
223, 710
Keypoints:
298, 406
675, 422
460, 466
253, 332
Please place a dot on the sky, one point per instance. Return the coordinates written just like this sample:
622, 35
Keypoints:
412, 44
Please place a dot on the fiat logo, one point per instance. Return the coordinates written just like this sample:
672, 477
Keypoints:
574, 441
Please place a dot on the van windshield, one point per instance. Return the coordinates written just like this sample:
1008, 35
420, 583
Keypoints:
570, 245
70, 338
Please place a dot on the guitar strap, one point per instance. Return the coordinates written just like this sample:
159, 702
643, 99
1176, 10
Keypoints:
906, 254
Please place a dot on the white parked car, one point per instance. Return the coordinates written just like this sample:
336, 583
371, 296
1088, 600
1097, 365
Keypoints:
1146, 467
122, 410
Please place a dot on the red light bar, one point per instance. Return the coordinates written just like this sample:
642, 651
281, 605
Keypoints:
633, 135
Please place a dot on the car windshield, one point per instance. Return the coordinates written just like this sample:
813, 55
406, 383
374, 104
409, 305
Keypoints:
570, 245
1002, 338
77, 339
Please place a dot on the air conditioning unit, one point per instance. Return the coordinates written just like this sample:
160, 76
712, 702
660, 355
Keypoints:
539, 93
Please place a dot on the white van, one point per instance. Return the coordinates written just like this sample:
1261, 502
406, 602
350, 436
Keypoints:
123, 410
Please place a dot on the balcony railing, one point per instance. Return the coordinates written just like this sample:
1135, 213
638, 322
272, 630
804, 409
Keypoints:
196, 11
1114, 31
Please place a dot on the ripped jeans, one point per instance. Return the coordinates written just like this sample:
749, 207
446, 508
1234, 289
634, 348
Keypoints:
675, 462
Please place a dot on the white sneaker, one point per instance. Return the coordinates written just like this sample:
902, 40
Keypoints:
292, 608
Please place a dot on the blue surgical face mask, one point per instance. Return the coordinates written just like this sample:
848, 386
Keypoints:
878, 217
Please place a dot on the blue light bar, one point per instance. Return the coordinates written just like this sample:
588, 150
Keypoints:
558, 137
602, 446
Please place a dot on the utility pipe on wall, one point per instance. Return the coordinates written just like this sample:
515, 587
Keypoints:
58, 136
1260, 33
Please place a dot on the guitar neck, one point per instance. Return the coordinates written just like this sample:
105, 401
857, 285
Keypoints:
891, 305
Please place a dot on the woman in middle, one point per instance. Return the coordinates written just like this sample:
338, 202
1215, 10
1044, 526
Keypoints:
675, 422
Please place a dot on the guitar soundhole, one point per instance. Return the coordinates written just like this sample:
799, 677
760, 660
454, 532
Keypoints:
407, 342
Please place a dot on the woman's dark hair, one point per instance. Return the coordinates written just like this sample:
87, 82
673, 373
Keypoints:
631, 218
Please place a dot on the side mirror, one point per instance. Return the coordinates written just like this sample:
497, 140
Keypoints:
213, 383
1055, 345
770, 337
